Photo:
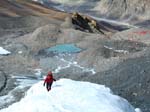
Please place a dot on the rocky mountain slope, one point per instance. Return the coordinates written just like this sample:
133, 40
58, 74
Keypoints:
134, 11
125, 9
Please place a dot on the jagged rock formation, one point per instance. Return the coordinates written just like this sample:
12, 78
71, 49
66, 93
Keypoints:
84, 23
88, 24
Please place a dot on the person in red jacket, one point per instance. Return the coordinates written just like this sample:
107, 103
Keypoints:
49, 80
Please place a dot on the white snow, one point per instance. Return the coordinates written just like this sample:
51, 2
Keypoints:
3, 51
113, 21
38, 72
23, 81
20, 52
73, 63
40, 1
69, 2
119, 51
138, 110
64, 2
70, 96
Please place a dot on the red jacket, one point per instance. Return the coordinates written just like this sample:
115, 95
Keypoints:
49, 79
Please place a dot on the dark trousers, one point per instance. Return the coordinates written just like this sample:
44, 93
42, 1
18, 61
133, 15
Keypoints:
48, 85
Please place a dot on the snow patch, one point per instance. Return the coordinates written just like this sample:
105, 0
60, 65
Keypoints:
40, 1
119, 51
138, 110
113, 21
73, 63
70, 96
20, 52
69, 2
4, 51
24, 82
38, 73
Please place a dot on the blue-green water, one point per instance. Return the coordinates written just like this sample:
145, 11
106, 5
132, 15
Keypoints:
64, 48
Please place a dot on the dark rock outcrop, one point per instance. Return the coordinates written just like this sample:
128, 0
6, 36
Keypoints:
3, 81
85, 24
